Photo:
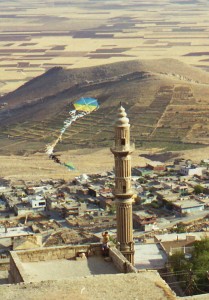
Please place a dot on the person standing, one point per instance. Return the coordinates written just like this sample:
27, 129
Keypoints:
105, 246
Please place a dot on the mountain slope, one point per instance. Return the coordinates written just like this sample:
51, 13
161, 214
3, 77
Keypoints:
164, 107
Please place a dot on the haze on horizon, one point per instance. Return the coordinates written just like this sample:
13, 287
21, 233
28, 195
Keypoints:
35, 37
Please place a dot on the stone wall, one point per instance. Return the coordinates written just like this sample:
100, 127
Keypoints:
57, 252
121, 263
4, 264
17, 274
16, 271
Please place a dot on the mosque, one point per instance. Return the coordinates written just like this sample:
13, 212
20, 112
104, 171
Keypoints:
81, 272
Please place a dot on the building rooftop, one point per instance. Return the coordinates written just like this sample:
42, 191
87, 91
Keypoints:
187, 203
144, 285
155, 163
64, 269
144, 214
180, 236
168, 195
14, 232
149, 256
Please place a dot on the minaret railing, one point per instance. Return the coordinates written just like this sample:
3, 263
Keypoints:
123, 148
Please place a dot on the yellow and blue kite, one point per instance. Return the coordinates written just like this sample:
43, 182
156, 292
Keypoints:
86, 104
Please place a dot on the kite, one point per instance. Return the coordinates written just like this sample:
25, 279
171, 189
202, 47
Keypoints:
70, 166
83, 107
86, 105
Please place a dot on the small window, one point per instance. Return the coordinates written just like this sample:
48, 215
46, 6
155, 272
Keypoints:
124, 189
123, 142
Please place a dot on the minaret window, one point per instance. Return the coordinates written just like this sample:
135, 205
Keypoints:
123, 142
124, 189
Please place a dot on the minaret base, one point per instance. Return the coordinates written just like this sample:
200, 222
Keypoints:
125, 228
129, 255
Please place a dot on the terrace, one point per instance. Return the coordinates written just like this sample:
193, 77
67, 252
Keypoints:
55, 263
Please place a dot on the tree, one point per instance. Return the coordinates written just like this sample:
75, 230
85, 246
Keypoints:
192, 273
201, 246
142, 180
112, 210
180, 228
198, 189
155, 204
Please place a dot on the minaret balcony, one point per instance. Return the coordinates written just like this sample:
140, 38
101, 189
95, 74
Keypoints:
123, 149
120, 194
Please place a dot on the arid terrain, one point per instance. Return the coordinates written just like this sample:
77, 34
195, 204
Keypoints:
35, 36
39, 166
166, 109
152, 56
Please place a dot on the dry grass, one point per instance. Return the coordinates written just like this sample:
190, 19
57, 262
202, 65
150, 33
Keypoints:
38, 166
88, 161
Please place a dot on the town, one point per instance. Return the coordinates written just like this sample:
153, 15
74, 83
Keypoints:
170, 207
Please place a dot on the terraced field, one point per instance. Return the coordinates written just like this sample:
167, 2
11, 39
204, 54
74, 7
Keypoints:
164, 111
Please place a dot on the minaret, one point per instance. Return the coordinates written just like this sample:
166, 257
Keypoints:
122, 152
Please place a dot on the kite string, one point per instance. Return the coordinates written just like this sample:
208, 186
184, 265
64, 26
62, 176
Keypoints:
73, 117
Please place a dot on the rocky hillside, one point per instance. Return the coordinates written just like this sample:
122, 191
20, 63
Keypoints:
166, 101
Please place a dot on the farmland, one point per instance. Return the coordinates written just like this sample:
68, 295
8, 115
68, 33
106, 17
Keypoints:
36, 36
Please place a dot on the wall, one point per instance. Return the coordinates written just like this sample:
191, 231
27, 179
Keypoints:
17, 274
4, 264
192, 209
121, 263
16, 271
57, 252
35, 203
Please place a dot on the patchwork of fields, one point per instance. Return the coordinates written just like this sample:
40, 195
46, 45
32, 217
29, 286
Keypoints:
36, 36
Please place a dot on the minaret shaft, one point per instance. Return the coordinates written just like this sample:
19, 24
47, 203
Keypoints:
123, 192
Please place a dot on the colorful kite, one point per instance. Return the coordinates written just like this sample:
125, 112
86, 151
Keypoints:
83, 106
86, 104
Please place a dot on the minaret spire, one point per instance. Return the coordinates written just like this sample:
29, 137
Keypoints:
123, 193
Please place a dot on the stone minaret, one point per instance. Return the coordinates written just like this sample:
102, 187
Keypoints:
122, 152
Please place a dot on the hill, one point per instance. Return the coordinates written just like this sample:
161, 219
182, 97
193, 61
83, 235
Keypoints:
166, 101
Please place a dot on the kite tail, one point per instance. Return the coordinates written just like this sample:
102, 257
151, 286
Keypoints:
67, 123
